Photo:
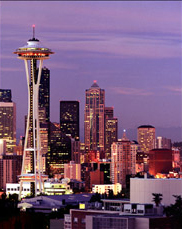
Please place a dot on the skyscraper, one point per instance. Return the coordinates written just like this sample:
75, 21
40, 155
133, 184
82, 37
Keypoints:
94, 118
111, 130
59, 152
123, 160
5, 95
44, 92
146, 137
8, 125
69, 118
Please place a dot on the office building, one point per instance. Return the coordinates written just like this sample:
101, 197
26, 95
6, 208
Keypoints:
111, 130
123, 160
146, 137
94, 118
5, 95
8, 125
69, 118
160, 161
59, 151
44, 92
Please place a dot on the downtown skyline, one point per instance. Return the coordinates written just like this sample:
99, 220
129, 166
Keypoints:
132, 49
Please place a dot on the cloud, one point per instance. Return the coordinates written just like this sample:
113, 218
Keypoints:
130, 91
125, 46
176, 89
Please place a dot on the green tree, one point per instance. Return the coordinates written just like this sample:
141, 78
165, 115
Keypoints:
157, 198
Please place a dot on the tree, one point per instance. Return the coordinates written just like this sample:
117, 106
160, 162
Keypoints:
95, 198
174, 211
157, 198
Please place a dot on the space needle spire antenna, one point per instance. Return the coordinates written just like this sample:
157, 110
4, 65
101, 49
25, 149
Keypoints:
33, 26
32, 166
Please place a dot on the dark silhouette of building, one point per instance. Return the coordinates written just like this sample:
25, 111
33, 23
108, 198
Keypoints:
44, 92
111, 130
69, 118
59, 151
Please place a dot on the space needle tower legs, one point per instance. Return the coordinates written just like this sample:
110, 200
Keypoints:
32, 52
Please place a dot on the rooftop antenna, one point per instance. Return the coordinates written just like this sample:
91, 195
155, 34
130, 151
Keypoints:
33, 26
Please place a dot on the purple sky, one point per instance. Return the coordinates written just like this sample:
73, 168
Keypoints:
132, 49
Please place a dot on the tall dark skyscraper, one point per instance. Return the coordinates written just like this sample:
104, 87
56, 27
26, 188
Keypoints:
69, 118
111, 130
59, 152
5, 95
44, 92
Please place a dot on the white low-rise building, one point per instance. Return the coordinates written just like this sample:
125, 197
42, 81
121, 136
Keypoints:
14, 188
104, 188
51, 187
141, 190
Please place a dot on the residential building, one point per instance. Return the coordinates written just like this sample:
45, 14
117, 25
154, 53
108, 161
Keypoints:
123, 160
146, 137
72, 171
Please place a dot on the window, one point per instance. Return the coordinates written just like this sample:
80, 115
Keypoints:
83, 220
75, 220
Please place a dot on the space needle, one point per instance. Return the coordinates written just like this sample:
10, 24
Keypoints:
33, 55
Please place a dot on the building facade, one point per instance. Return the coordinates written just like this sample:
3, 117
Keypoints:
94, 118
